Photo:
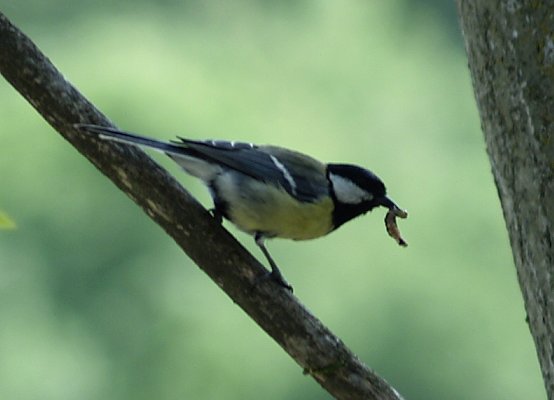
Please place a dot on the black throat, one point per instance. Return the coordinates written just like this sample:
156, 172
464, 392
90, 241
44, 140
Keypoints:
345, 212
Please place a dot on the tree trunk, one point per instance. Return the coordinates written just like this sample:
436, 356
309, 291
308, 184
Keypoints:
510, 47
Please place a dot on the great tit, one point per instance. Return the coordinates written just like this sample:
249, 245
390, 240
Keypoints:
270, 191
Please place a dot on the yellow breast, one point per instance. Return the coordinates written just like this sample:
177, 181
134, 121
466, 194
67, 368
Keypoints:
276, 213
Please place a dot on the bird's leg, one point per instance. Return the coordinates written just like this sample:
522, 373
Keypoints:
275, 273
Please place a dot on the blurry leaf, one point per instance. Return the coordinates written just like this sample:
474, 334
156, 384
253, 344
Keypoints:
6, 222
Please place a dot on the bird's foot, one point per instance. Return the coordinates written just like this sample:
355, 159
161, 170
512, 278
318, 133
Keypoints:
218, 217
276, 277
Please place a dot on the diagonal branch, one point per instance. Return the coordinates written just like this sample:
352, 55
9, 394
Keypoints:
316, 349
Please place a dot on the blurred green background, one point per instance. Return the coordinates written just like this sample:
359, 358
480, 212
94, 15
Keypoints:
97, 302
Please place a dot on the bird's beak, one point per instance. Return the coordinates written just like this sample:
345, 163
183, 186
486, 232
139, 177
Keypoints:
391, 205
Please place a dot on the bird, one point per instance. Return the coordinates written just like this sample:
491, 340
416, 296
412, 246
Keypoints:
269, 191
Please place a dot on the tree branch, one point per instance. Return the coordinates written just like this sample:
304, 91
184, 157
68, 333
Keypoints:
511, 58
316, 349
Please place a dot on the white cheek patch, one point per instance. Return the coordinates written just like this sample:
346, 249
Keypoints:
347, 191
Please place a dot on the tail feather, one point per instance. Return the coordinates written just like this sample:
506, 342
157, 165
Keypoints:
189, 159
116, 135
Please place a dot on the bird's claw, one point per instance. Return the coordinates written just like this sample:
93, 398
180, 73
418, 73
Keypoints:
218, 217
276, 277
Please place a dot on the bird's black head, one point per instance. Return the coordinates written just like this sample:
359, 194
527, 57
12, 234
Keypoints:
355, 191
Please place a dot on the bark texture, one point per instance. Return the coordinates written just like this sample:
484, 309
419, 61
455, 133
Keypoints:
316, 349
510, 47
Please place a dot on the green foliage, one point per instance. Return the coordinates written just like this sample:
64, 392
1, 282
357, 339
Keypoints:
97, 302
5, 221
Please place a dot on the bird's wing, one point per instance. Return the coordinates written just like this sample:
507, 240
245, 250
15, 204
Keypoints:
301, 176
